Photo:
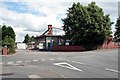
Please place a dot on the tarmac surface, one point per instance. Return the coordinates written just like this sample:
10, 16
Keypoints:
88, 64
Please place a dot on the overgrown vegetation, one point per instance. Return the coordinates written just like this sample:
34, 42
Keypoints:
86, 25
8, 38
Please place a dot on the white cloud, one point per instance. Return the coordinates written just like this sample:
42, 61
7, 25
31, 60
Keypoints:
25, 23
48, 12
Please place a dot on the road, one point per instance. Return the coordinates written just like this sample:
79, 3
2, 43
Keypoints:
33, 64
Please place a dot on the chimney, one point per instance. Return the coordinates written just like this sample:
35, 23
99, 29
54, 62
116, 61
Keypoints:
49, 29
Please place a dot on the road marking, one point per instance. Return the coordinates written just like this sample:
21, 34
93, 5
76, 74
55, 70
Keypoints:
35, 60
67, 66
18, 61
34, 76
27, 61
9, 62
112, 70
43, 60
75, 62
51, 59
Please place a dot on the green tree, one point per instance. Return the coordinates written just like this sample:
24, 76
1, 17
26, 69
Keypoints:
8, 31
86, 24
4, 31
117, 32
27, 39
32, 39
8, 38
10, 43
11, 32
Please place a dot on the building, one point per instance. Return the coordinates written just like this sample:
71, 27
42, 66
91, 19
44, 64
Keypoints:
46, 41
21, 46
57, 43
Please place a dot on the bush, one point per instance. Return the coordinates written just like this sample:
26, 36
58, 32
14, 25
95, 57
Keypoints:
10, 43
90, 46
11, 50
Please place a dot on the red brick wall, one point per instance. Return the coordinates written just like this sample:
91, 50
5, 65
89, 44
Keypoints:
106, 45
4, 51
68, 48
110, 45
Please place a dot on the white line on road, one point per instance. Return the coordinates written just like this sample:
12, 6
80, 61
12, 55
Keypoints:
9, 62
35, 60
51, 59
112, 70
62, 64
34, 76
18, 61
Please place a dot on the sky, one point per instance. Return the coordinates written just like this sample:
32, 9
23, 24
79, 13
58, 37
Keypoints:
33, 16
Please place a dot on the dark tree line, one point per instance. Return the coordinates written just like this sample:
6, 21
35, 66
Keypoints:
28, 39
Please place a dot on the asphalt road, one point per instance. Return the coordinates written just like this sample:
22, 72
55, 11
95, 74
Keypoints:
32, 64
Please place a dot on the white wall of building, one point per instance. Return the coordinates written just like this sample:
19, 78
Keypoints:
21, 46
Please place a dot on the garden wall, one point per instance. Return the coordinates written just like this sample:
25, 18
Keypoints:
68, 48
106, 45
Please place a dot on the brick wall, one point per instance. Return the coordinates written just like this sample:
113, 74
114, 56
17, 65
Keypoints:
106, 45
68, 48
4, 51
110, 45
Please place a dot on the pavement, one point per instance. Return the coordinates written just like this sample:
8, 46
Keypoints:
88, 64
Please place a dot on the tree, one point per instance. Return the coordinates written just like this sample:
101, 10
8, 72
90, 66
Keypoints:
11, 32
27, 39
117, 32
8, 31
8, 38
4, 32
32, 39
86, 24
99, 26
10, 43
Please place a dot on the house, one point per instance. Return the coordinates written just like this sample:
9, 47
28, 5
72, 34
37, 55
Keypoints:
21, 45
54, 42
46, 41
